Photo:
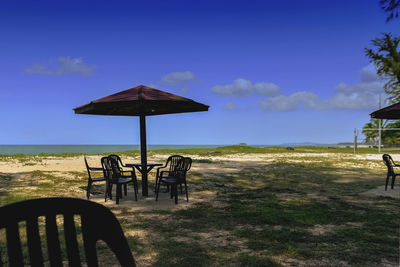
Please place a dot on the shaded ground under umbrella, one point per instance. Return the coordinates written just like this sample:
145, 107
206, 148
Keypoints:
141, 101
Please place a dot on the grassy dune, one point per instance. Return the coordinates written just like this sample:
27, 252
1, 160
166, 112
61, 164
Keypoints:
293, 209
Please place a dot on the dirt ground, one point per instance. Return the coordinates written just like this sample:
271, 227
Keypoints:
226, 164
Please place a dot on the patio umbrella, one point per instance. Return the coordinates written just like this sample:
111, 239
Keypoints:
141, 101
391, 112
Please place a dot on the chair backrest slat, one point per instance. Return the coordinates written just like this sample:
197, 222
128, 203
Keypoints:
15, 257
71, 240
187, 163
33, 238
110, 167
173, 162
53, 242
105, 167
87, 168
119, 164
181, 168
118, 159
114, 168
89, 242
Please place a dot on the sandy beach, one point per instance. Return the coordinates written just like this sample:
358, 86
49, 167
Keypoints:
231, 163
76, 163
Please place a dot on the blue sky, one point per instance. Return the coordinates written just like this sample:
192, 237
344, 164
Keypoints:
272, 71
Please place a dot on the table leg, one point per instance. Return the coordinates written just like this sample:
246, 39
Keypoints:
144, 171
145, 191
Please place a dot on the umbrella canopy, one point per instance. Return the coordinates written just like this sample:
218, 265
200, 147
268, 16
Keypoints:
391, 112
141, 101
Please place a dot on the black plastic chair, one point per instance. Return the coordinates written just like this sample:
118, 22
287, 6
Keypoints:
390, 164
169, 167
113, 175
177, 177
92, 180
97, 223
131, 175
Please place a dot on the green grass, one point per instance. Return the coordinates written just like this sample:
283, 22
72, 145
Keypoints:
309, 210
203, 161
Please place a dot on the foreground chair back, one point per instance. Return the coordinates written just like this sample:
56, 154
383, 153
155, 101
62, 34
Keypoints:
390, 164
97, 223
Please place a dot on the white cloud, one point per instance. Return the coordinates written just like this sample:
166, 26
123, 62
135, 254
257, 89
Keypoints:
178, 77
230, 106
289, 103
359, 96
363, 95
239, 87
267, 89
184, 90
38, 69
65, 65
242, 87
368, 74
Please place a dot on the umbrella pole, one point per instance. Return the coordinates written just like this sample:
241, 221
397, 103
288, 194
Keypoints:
143, 151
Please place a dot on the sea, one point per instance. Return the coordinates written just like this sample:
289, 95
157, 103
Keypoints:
85, 149
101, 149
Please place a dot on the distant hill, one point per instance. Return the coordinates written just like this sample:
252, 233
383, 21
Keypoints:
304, 144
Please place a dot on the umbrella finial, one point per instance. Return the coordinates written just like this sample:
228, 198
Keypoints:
140, 96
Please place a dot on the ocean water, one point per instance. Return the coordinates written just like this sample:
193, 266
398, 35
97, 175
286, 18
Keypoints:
87, 149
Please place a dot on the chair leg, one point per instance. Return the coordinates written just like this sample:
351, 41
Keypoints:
125, 190
157, 190
110, 190
155, 185
186, 191
181, 188
175, 189
88, 189
136, 186
119, 193
106, 193
135, 190
387, 181
393, 179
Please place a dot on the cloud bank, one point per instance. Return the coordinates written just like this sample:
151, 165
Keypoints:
359, 96
230, 106
241, 87
178, 77
289, 103
65, 65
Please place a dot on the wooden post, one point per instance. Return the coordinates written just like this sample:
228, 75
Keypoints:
143, 152
380, 128
355, 140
